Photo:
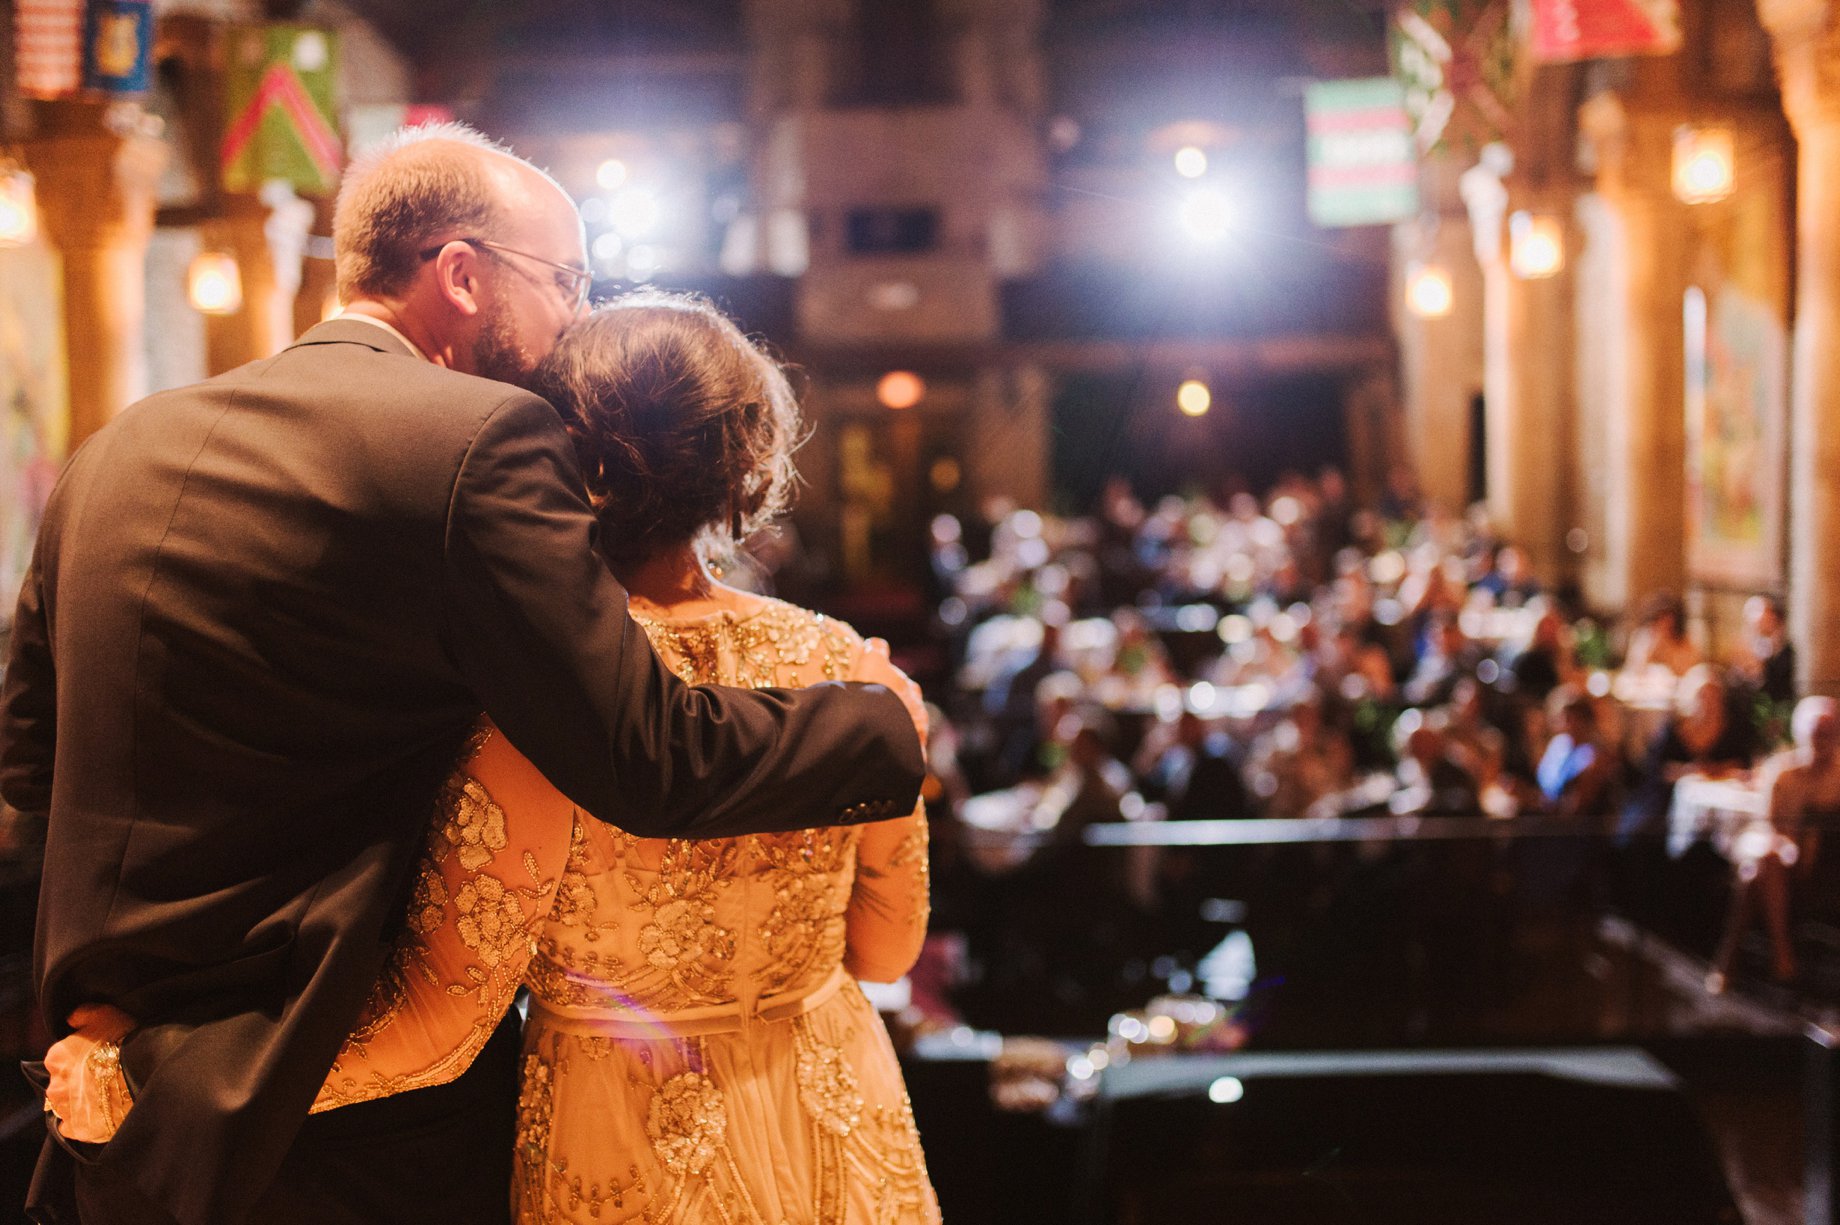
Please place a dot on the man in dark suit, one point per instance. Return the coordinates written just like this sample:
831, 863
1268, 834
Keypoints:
264, 615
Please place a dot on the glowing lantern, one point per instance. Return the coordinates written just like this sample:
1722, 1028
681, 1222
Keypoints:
900, 389
215, 284
1536, 246
18, 206
1704, 165
1428, 291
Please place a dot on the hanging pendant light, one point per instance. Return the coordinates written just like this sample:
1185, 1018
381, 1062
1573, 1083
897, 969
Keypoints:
18, 205
214, 283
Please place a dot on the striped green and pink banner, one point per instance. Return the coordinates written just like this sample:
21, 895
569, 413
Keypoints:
1363, 167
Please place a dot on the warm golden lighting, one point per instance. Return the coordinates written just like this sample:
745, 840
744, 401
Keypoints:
945, 474
1536, 246
1428, 291
1194, 398
1191, 162
1704, 165
331, 306
214, 283
900, 389
18, 207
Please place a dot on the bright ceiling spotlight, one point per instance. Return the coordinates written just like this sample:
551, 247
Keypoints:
643, 262
1206, 214
1428, 291
1194, 398
611, 174
1191, 162
634, 212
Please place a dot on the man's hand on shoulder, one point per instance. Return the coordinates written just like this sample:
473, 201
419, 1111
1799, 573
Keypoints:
877, 668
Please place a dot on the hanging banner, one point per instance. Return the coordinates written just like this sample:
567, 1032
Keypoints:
279, 121
1455, 60
1568, 30
47, 47
1363, 169
118, 46
368, 124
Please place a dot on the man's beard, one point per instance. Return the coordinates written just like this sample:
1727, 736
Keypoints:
497, 354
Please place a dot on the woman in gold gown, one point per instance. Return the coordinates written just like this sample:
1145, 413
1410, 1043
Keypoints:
697, 1049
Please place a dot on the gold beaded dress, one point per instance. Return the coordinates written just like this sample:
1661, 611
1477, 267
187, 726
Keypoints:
697, 1049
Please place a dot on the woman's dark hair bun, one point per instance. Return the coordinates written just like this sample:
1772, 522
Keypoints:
684, 427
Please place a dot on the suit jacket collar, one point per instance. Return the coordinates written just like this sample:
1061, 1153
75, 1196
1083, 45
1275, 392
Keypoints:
354, 331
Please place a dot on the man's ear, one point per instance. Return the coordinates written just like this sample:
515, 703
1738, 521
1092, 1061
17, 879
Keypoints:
456, 271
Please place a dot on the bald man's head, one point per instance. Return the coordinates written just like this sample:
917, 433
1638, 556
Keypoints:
416, 189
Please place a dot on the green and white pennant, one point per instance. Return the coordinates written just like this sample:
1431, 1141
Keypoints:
280, 110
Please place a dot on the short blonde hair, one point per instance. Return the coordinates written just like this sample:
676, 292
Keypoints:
401, 194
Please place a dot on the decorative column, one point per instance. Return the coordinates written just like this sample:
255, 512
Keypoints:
268, 235
1806, 37
98, 166
1633, 366
318, 275
1527, 365
1440, 358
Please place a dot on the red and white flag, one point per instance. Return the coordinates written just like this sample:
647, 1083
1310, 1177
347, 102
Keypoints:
48, 46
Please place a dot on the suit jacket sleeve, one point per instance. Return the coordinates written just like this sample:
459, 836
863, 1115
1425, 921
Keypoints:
539, 629
28, 732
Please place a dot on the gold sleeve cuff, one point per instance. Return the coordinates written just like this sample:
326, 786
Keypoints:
103, 1067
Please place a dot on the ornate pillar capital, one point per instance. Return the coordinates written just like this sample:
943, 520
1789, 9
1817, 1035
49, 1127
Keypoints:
1484, 190
98, 168
1805, 35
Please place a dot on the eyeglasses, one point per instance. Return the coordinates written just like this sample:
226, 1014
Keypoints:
571, 282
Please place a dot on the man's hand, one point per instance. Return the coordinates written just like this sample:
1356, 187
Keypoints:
87, 1092
877, 668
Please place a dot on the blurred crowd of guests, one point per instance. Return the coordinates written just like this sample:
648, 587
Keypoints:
1299, 656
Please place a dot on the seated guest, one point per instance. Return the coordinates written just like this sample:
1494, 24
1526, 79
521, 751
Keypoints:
1195, 772
1510, 582
1449, 657
1543, 661
1138, 656
1431, 783
1575, 772
1801, 782
1011, 702
1768, 663
1701, 736
1300, 761
1470, 739
1660, 637
1352, 667
1084, 790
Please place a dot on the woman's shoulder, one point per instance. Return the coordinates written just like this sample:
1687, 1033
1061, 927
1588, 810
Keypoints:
778, 620
761, 629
